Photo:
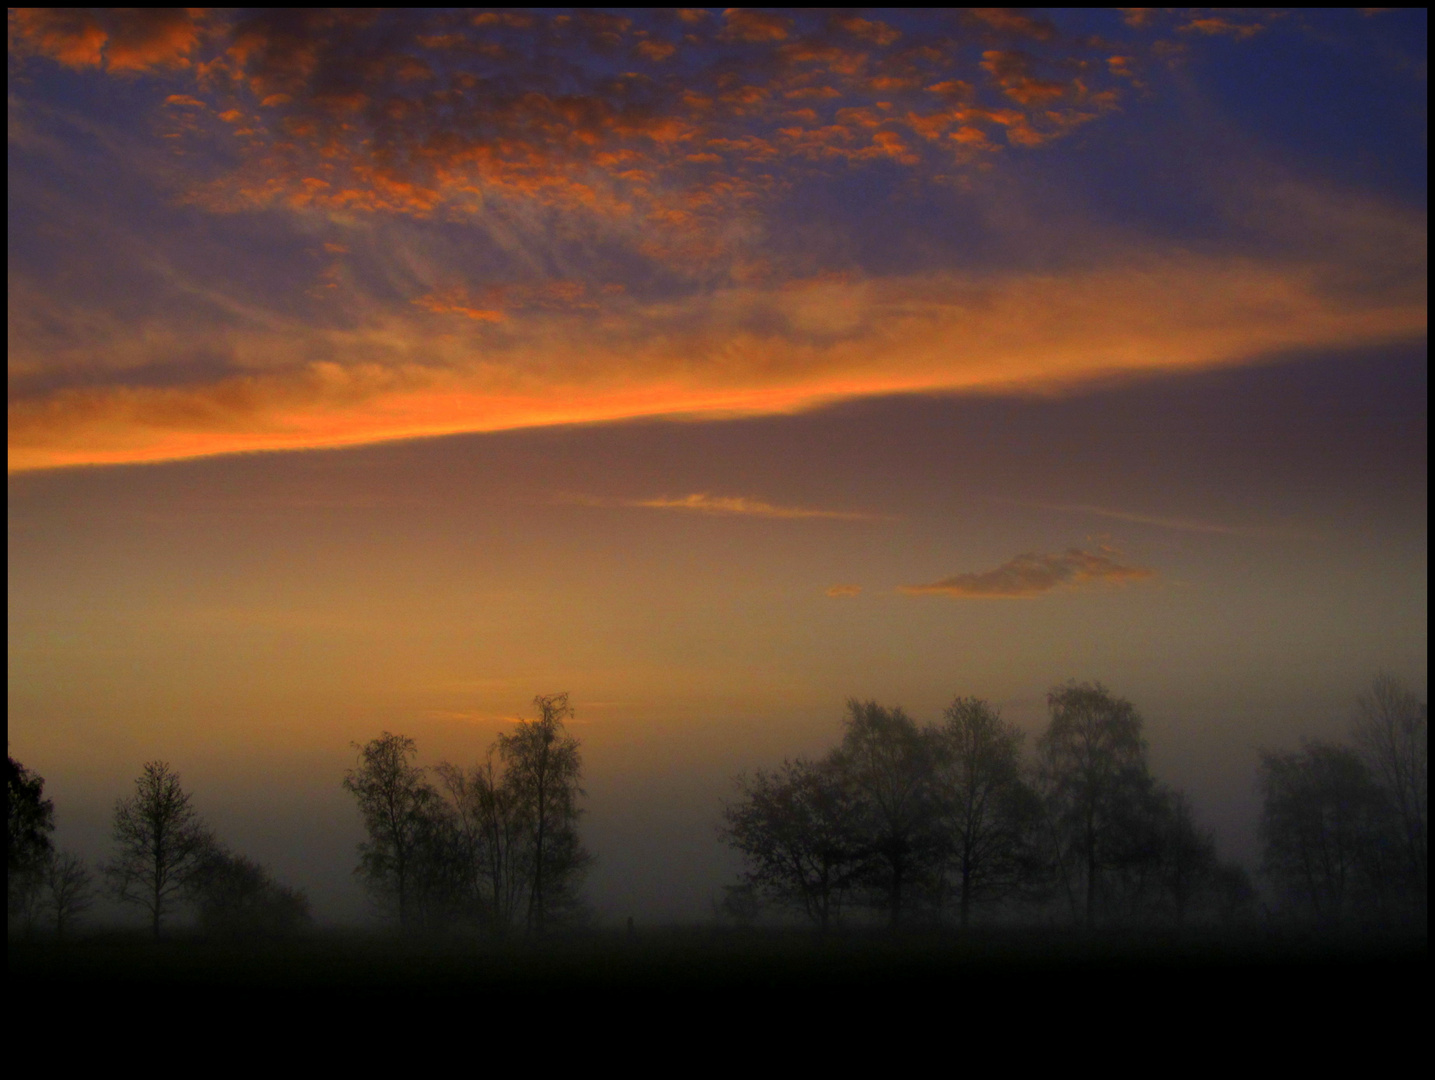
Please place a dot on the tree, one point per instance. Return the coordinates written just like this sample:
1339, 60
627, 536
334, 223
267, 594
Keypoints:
1326, 830
797, 829
69, 890
403, 816
1096, 788
159, 840
29, 820
1187, 854
497, 865
986, 814
543, 763
236, 897
1392, 734
887, 762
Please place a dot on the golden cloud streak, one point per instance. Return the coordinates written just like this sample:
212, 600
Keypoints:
703, 358
704, 503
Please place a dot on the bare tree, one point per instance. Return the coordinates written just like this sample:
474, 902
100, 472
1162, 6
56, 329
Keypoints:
887, 760
1187, 854
159, 842
29, 820
497, 864
69, 890
986, 814
1323, 822
1392, 734
544, 765
797, 828
400, 811
1096, 789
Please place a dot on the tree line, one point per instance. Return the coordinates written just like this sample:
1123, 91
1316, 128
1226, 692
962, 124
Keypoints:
906, 823
493, 847
164, 858
936, 823
1345, 827
933, 823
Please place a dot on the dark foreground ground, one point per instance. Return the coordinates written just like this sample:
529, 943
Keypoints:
336, 964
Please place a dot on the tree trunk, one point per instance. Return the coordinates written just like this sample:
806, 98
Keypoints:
1090, 872
966, 890
896, 896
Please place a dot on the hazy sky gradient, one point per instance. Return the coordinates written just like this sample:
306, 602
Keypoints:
781, 359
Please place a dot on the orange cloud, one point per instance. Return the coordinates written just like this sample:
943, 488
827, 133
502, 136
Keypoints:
843, 591
878, 33
1214, 25
656, 51
1032, 574
449, 305
1014, 22
747, 24
116, 39
739, 351
1012, 72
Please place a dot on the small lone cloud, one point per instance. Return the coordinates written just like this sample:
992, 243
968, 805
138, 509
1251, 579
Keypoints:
844, 590
704, 503
1031, 574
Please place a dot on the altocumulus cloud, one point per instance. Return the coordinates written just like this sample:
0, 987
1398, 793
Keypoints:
1031, 574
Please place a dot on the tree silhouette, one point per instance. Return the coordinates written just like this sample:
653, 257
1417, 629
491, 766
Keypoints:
951, 814
401, 812
236, 897
986, 814
543, 764
29, 820
69, 890
888, 762
1096, 789
1187, 854
497, 865
797, 828
1326, 826
159, 843
1392, 735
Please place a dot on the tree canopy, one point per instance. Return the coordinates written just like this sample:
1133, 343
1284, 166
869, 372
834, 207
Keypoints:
494, 845
939, 821
160, 841
29, 820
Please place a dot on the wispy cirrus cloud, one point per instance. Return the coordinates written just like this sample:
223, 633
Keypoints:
289, 384
1154, 520
844, 591
725, 505
1032, 574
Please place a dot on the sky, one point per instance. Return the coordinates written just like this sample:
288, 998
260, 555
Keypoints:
379, 371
